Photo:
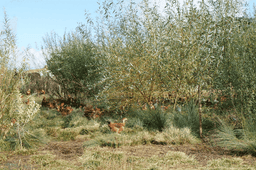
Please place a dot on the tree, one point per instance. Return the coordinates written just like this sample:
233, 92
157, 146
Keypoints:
13, 113
187, 49
74, 62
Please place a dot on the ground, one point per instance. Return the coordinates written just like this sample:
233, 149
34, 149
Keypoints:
72, 150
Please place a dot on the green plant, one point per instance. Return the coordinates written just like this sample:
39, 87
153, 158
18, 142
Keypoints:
85, 63
238, 140
188, 117
154, 119
184, 51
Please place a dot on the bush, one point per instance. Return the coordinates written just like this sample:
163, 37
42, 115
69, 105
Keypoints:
150, 119
79, 74
188, 117
239, 140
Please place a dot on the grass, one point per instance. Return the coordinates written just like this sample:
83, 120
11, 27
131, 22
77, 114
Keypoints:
118, 160
168, 136
188, 117
140, 130
149, 119
100, 158
238, 140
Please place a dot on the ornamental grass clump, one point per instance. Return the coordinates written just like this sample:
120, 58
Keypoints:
22, 114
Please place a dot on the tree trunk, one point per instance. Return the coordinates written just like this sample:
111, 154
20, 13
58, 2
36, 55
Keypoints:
200, 113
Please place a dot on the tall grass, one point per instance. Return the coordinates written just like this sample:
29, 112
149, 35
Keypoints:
150, 119
188, 117
241, 141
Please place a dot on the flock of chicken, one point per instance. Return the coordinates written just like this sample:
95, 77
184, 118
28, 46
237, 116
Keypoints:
65, 107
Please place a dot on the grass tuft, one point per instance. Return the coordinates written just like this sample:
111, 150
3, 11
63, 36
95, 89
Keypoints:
149, 119
225, 163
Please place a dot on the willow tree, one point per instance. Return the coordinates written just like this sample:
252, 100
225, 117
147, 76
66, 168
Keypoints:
14, 114
74, 62
133, 39
206, 36
185, 49
8, 83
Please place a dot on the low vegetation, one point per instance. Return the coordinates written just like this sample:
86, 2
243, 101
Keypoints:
150, 70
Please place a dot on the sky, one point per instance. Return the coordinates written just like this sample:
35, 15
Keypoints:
31, 20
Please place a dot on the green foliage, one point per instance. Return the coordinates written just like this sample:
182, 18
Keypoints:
27, 139
3, 158
9, 78
151, 119
25, 152
43, 160
5, 145
188, 117
66, 135
76, 119
47, 118
239, 140
97, 159
149, 53
75, 63
14, 114
66, 122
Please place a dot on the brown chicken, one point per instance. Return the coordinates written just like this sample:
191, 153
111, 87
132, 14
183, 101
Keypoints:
45, 103
27, 102
28, 92
96, 113
117, 127
61, 107
42, 92
51, 105
88, 112
66, 111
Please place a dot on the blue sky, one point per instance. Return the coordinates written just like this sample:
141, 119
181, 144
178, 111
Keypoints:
33, 19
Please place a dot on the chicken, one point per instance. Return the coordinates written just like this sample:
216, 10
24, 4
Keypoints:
117, 127
66, 111
28, 92
165, 107
51, 105
48, 104
61, 100
88, 112
42, 92
96, 113
60, 108
44, 102
27, 102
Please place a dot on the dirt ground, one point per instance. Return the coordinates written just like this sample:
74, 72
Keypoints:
71, 150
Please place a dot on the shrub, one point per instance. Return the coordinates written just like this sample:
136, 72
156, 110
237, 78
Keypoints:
238, 140
150, 119
188, 117
85, 63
